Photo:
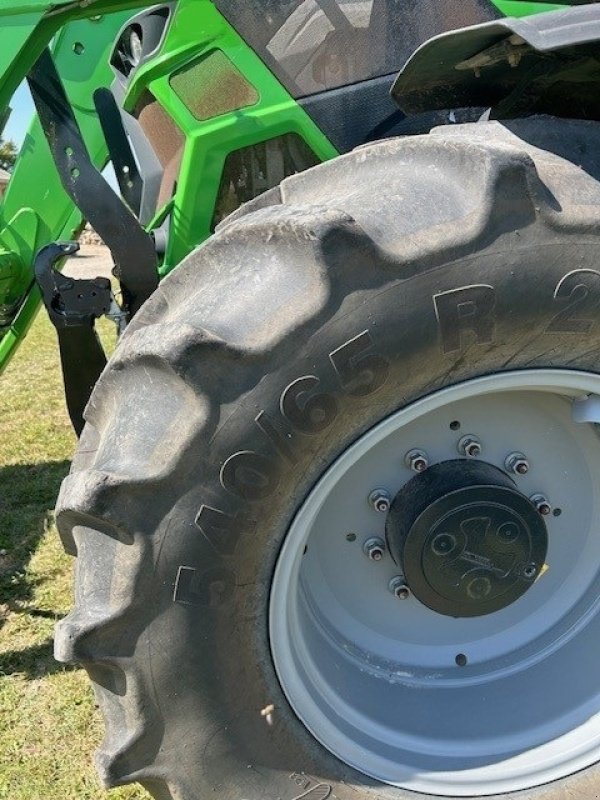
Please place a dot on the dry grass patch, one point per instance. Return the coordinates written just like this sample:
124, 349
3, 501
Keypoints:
49, 724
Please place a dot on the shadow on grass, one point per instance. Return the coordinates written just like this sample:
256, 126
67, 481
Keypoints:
27, 497
32, 662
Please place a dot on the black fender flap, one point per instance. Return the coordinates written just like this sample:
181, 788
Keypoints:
548, 63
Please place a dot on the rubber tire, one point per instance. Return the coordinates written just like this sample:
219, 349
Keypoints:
432, 260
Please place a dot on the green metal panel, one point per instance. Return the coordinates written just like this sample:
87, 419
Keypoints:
522, 8
199, 30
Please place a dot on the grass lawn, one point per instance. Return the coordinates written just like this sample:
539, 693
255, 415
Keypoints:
49, 725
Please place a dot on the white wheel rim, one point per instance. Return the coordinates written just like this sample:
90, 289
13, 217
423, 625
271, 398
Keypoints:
375, 678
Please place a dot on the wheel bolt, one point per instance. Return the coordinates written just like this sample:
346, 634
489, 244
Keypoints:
374, 549
469, 446
516, 463
530, 570
541, 504
398, 588
380, 500
416, 460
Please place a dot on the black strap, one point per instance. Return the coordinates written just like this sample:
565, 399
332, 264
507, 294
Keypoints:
82, 359
123, 161
131, 247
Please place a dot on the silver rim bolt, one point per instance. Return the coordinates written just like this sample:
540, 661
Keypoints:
541, 504
380, 500
469, 446
516, 463
398, 588
374, 549
417, 460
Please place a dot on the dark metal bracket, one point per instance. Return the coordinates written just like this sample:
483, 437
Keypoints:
70, 302
73, 306
131, 246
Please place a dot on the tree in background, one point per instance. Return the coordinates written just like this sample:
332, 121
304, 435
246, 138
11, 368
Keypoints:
8, 154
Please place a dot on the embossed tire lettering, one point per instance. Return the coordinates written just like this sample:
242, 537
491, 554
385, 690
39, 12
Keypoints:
313, 316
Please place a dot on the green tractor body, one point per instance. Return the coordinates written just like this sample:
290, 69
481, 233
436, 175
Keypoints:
229, 98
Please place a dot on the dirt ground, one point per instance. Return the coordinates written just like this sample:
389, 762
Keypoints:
92, 261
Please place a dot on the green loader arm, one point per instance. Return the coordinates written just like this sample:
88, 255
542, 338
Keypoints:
36, 210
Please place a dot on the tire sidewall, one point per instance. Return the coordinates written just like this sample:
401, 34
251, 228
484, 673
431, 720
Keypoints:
507, 308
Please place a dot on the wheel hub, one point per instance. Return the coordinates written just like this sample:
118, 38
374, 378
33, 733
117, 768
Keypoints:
381, 679
467, 541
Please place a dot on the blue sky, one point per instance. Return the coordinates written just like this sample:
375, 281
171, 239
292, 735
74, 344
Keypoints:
18, 124
22, 109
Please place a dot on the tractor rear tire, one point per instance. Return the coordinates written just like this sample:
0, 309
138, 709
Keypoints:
400, 280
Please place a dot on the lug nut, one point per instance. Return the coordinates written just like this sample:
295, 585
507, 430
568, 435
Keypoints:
516, 463
541, 504
380, 500
469, 446
530, 570
374, 549
416, 460
398, 588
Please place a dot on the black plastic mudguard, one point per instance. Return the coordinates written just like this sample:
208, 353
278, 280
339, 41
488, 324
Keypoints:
548, 63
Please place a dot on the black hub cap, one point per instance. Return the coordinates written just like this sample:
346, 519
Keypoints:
467, 541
